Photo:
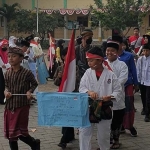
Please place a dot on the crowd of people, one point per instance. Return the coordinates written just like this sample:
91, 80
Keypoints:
18, 75
110, 74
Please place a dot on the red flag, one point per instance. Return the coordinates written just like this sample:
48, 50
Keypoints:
51, 51
69, 74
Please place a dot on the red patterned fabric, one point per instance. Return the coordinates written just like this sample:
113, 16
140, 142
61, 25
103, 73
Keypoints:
128, 120
16, 122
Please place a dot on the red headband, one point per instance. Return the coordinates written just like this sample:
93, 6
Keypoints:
89, 55
94, 56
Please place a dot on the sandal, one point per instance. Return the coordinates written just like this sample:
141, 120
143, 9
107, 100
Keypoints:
115, 146
62, 145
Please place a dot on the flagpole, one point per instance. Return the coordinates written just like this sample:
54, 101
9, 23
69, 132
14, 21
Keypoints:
37, 14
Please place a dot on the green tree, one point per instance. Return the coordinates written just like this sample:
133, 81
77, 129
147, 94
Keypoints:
119, 14
26, 21
9, 13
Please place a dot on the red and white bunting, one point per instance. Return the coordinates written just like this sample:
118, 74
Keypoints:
62, 11
70, 11
66, 11
49, 11
78, 11
85, 11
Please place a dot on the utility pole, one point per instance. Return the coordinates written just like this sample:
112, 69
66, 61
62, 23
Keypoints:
65, 18
37, 14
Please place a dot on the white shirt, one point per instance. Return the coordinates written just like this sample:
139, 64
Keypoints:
143, 70
106, 85
120, 69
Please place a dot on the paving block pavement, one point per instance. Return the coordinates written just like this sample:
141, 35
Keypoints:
50, 136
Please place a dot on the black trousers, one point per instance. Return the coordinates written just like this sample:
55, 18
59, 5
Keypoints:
68, 134
145, 96
117, 123
53, 70
28, 140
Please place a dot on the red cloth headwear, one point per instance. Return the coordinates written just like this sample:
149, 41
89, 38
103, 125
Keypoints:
94, 56
3, 54
4, 42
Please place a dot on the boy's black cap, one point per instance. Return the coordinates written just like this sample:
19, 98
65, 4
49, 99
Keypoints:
117, 38
28, 38
146, 46
113, 44
147, 35
25, 43
96, 50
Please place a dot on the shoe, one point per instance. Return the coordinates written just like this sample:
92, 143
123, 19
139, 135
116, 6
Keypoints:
62, 145
115, 146
143, 112
37, 144
133, 132
147, 119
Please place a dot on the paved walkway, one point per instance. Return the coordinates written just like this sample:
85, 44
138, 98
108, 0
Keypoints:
50, 136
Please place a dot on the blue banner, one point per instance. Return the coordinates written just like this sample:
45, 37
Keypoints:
63, 109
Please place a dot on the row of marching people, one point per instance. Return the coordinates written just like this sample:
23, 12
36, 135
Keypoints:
103, 77
18, 83
33, 58
33, 53
98, 82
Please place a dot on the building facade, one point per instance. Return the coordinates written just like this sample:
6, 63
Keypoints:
74, 12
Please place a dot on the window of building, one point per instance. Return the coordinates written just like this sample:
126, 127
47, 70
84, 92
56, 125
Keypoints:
72, 24
83, 20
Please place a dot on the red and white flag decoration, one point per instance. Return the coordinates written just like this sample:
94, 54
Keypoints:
66, 11
51, 51
70, 11
49, 11
69, 73
62, 11
85, 11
